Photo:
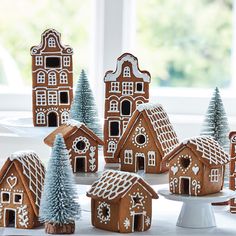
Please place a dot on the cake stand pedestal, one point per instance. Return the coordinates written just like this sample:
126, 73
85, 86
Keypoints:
196, 211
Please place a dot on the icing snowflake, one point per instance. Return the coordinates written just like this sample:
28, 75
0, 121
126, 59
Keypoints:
148, 221
126, 223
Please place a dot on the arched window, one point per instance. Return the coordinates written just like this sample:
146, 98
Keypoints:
63, 78
41, 77
111, 147
40, 118
126, 108
126, 72
52, 78
51, 42
113, 105
64, 116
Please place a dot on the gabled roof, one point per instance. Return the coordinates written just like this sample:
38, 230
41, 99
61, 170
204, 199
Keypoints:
112, 76
68, 129
113, 185
64, 48
205, 148
159, 124
31, 171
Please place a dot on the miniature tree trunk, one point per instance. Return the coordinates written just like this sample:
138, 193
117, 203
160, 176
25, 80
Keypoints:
51, 228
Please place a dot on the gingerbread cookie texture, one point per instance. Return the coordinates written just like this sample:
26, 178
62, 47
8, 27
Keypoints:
149, 136
21, 184
52, 80
232, 178
82, 144
197, 166
125, 89
121, 202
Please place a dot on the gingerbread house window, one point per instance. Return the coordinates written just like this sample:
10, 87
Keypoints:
41, 77
115, 87
5, 197
139, 87
17, 198
126, 72
151, 158
113, 105
111, 147
41, 98
38, 60
66, 61
63, 78
52, 97
127, 88
214, 177
114, 128
52, 78
51, 42
126, 108
64, 116
128, 157
40, 118
64, 97
53, 62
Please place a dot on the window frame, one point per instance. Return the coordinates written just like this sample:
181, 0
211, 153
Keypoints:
21, 200
128, 157
9, 194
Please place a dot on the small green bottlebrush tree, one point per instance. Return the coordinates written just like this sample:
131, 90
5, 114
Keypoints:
216, 125
83, 108
58, 208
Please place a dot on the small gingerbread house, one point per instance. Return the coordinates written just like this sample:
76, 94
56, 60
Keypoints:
21, 184
197, 166
148, 137
121, 202
52, 80
232, 179
82, 144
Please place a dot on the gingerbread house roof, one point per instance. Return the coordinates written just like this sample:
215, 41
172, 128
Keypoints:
113, 185
31, 171
205, 148
112, 76
68, 129
159, 125
35, 50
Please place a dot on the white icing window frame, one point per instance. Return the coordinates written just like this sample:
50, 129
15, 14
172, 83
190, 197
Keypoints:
40, 118
63, 78
131, 107
51, 42
126, 72
66, 61
9, 199
151, 158
110, 121
52, 98
136, 87
64, 116
111, 147
21, 201
115, 87
52, 78
68, 96
127, 88
214, 176
41, 98
128, 157
38, 60
41, 77
113, 107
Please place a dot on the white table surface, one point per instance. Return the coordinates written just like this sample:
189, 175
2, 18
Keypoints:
165, 214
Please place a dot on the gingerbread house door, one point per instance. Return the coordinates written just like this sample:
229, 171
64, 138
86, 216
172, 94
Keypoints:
185, 185
52, 119
140, 162
80, 164
10, 217
138, 222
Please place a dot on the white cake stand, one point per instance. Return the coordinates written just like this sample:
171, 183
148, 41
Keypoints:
197, 212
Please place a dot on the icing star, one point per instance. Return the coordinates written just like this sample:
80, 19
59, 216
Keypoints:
137, 200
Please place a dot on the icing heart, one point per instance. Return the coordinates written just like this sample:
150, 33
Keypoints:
92, 161
92, 167
92, 148
12, 180
174, 169
195, 169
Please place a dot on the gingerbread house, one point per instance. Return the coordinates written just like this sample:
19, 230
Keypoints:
125, 89
232, 178
82, 144
21, 184
121, 202
148, 137
52, 80
196, 166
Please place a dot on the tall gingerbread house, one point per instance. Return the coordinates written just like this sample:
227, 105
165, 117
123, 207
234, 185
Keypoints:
125, 89
52, 80
232, 179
